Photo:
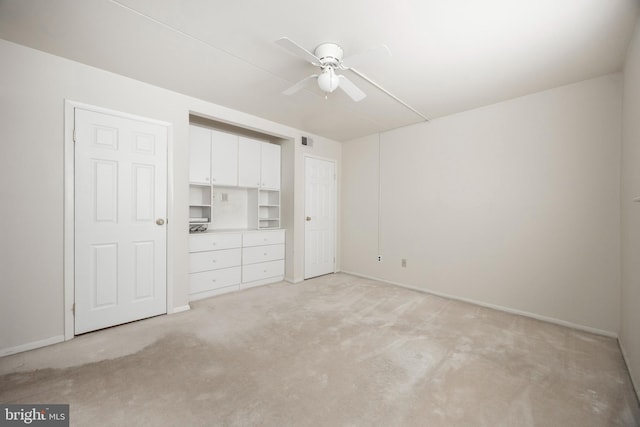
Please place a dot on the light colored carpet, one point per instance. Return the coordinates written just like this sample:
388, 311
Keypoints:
332, 351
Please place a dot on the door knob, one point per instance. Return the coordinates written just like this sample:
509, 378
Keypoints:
308, 218
160, 221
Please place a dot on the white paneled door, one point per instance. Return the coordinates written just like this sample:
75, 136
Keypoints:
120, 219
320, 212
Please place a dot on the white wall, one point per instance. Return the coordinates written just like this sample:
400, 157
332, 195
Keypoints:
630, 321
33, 87
513, 205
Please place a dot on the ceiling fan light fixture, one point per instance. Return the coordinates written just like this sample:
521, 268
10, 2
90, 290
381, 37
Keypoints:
328, 81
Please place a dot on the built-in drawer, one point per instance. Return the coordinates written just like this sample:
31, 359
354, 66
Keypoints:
210, 280
257, 238
256, 254
264, 270
214, 260
214, 241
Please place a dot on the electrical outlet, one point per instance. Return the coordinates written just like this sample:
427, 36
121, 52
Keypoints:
403, 262
379, 258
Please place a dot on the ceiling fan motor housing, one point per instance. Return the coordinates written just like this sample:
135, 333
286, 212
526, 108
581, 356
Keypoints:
329, 54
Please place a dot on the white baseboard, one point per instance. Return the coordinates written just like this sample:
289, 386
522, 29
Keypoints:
31, 345
247, 285
495, 307
626, 362
180, 309
294, 281
213, 293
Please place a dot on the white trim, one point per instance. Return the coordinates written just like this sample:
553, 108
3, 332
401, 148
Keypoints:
494, 306
261, 282
116, 113
180, 309
626, 362
69, 198
171, 225
69, 219
212, 293
31, 345
335, 208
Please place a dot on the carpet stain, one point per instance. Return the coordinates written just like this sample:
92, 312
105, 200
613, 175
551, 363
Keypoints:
342, 351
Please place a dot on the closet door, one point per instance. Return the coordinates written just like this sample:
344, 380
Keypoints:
320, 217
120, 219
249, 162
224, 158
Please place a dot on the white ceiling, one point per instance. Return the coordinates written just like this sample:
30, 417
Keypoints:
447, 55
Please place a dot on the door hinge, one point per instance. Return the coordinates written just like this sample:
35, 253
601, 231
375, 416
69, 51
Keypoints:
74, 134
73, 308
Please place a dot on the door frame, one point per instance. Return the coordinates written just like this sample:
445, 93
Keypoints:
69, 208
335, 211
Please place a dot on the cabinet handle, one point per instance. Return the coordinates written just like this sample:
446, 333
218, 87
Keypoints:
213, 243
213, 260
265, 254
213, 280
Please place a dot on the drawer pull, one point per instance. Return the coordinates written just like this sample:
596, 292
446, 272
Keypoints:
213, 260
213, 280
213, 243
265, 254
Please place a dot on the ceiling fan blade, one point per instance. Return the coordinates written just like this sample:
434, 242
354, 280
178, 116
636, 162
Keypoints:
298, 50
351, 89
357, 59
301, 84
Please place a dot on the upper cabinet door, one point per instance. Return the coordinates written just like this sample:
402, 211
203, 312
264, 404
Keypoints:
224, 158
270, 170
248, 162
199, 155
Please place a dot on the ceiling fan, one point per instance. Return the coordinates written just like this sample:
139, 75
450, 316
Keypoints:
329, 58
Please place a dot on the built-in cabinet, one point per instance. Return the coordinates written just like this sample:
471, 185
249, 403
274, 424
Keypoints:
249, 162
262, 257
270, 166
224, 158
222, 262
199, 155
234, 190
241, 171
